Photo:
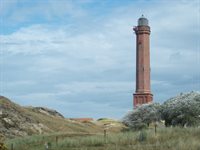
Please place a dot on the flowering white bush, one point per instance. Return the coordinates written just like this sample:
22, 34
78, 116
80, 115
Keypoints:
183, 110
142, 116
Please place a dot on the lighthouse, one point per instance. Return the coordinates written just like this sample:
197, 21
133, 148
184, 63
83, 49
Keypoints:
142, 93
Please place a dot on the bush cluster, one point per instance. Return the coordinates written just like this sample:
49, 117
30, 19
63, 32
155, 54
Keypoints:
142, 116
182, 110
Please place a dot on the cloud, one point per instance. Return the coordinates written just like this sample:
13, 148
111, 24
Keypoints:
48, 10
95, 87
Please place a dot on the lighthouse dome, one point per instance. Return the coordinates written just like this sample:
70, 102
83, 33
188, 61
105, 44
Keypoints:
142, 21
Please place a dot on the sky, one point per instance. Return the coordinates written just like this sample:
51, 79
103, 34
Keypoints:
78, 56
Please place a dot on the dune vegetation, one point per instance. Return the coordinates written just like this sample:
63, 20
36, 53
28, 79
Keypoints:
176, 138
174, 125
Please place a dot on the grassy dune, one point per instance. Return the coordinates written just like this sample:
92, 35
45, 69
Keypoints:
165, 139
26, 121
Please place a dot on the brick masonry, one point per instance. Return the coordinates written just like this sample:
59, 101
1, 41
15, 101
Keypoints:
142, 94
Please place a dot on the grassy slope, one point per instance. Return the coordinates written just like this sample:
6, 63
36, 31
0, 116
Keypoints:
165, 139
53, 124
63, 125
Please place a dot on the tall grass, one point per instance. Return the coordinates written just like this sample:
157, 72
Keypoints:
165, 139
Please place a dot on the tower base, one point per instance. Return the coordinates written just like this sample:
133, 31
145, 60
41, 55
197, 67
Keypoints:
142, 98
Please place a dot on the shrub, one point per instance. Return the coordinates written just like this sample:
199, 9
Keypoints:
183, 110
142, 136
142, 116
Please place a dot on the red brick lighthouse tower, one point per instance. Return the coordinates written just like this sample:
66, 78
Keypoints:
143, 91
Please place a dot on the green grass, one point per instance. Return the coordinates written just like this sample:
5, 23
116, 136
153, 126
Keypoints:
165, 139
